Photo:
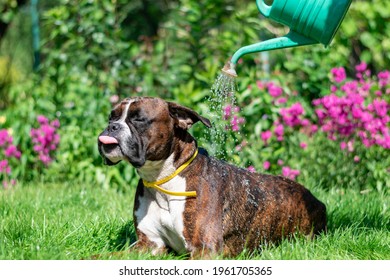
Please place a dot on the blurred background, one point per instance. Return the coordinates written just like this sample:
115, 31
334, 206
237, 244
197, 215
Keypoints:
64, 63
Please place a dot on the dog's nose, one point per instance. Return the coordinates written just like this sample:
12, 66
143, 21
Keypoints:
114, 127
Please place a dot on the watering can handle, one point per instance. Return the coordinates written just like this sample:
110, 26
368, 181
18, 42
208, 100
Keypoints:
263, 8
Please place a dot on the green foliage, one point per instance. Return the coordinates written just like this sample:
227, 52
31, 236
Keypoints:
14, 51
96, 51
8, 9
8, 75
87, 38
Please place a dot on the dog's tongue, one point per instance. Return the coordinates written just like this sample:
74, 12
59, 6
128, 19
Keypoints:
108, 140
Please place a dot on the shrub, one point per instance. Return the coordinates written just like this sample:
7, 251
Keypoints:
298, 139
93, 56
359, 112
45, 139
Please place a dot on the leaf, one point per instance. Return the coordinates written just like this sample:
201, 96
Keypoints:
368, 40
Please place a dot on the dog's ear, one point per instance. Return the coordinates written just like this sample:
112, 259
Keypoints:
185, 117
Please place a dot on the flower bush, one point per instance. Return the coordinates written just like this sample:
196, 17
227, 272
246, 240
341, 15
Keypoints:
338, 137
357, 110
45, 139
10, 153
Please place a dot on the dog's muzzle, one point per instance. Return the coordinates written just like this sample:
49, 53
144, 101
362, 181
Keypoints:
110, 150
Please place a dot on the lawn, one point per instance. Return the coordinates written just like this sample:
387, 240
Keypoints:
70, 221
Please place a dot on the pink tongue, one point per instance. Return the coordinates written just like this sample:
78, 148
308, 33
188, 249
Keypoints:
108, 140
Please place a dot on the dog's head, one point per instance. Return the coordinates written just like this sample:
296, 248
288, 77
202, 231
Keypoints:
143, 128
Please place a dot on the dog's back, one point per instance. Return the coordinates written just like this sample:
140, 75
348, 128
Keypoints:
250, 208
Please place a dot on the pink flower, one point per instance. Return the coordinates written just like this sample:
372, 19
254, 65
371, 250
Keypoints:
5, 138
266, 165
292, 116
265, 136
4, 167
313, 128
241, 146
350, 87
294, 173
3, 164
12, 151
274, 90
305, 122
279, 132
350, 146
384, 78
290, 173
55, 123
303, 145
281, 100
338, 74
361, 67
356, 159
227, 112
114, 99
280, 162
45, 159
251, 169
37, 148
286, 171
380, 107
261, 85
42, 120
234, 123
7, 184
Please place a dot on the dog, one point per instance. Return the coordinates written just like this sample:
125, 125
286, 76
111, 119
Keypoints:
193, 203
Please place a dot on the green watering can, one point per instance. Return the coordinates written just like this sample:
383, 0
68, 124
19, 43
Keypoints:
310, 22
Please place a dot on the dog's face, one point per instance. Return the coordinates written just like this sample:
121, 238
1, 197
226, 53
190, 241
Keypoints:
142, 128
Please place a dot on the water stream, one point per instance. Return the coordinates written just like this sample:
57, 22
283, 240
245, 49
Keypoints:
222, 94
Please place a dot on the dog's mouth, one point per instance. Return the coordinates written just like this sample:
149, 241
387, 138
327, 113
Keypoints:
108, 140
114, 149
110, 149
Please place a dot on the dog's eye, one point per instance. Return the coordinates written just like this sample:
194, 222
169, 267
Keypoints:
138, 120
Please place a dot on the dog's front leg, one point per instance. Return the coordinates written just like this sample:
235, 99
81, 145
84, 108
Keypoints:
145, 245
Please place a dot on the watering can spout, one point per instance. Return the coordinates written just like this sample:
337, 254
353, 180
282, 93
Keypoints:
229, 69
292, 39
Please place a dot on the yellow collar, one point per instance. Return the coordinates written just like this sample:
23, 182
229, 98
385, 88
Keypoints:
156, 184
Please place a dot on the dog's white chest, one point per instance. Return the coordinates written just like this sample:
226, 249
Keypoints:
160, 216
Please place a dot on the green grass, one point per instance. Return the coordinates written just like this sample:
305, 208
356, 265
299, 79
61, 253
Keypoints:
68, 221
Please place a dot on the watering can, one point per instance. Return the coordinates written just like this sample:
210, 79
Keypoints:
310, 22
